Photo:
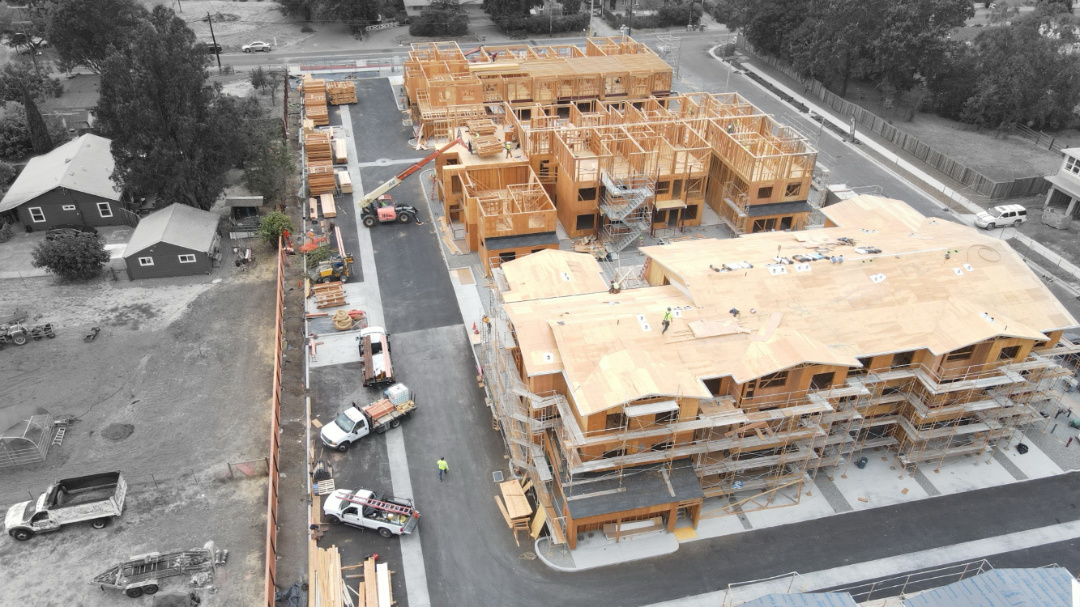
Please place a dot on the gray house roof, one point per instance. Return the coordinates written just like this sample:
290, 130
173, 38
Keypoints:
1046, 587
84, 165
810, 599
176, 224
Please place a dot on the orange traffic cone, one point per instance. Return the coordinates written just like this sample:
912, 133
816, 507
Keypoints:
474, 329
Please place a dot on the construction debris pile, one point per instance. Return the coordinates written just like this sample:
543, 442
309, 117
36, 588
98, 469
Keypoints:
330, 582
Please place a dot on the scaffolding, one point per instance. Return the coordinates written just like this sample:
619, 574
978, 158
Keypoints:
624, 207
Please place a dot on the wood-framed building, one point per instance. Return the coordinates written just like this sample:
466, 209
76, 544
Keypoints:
786, 353
617, 155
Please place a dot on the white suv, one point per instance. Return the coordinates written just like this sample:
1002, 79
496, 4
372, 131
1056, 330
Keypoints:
1004, 215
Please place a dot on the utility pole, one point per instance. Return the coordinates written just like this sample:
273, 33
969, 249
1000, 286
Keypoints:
217, 49
181, 6
630, 24
591, 30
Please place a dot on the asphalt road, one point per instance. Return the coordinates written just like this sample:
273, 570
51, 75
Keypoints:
469, 555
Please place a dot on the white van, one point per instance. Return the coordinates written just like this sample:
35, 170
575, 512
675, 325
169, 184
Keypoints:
1004, 215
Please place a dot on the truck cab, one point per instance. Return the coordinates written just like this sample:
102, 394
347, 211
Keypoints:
369, 510
375, 365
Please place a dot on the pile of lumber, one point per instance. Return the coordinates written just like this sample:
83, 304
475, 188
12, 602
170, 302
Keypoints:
341, 156
375, 590
321, 179
317, 148
344, 182
482, 127
327, 587
328, 295
487, 145
326, 204
339, 93
315, 100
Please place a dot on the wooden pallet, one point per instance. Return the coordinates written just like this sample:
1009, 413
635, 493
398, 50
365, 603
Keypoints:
329, 295
324, 487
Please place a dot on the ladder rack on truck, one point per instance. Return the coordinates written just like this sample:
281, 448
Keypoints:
381, 505
143, 574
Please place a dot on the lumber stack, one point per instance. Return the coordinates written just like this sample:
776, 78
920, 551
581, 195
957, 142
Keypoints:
482, 127
341, 156
321, 179
344, 182
328, 295
327, 585
375, 589
317, 148
326, 203
340, 93
487, 145
315, 101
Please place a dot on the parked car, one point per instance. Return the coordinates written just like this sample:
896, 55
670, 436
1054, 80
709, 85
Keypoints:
66, 230
1003, 215
213, 48
256, 46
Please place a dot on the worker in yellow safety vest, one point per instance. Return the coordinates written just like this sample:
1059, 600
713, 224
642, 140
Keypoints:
667, 321
444, 468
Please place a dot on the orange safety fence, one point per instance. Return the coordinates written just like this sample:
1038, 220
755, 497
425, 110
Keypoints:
275, 424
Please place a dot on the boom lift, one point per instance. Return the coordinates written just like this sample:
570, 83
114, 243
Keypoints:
388, 211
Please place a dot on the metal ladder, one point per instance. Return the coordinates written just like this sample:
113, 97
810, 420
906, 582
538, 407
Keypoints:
381, 505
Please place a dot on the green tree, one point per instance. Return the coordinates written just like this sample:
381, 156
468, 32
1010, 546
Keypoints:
273, 226
172, 132
440, 18
832, 44
768, 24
910, 38
499, 8
76, 257
1022, 78
23, 28
357, 14
14, 134
7, 174
258, 78
19, 77
87, 32
40, 139
270, 165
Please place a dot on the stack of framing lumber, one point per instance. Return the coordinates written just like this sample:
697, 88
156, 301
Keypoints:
344, 182
339, 93
321, 179
326, 203
315, 101
487, 145
340, 155
317, 114
482, 127
329, 295
375, 590
317, 147
313, 85
327, 588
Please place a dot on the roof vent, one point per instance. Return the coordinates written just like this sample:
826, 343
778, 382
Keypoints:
565, 276
967, 266
958, 271
986, 317
776, 269
876, 278
802, 267
643, 322
548, 357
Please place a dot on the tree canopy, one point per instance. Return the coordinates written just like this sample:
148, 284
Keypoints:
356, 13
24, 27
74, 257
172, 132
87, 32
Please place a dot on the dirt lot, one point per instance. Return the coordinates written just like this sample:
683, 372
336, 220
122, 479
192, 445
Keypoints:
238, 23
175, 387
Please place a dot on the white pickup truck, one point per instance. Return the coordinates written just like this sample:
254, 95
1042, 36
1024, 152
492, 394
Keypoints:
369, 510
95, 498
375, 366
356, 422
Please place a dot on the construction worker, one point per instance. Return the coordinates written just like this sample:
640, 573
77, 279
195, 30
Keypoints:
509, 147
444, 468
667, 321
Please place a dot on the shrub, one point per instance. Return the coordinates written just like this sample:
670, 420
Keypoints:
442, 18
77, 257
307, 29
273, 226
542, 24
669, 15
14, 132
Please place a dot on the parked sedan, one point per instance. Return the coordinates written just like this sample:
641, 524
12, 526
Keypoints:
256, 46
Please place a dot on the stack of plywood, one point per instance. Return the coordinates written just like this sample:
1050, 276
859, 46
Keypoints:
317, 148
326, 202
317, 114
339, 93
340, 155
327, 585
321, 179
314, 99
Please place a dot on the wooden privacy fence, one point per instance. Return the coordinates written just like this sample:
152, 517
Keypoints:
981, 184
275, 425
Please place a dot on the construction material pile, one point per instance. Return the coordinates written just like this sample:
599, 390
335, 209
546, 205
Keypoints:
315, 101
340, 93
318, 160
